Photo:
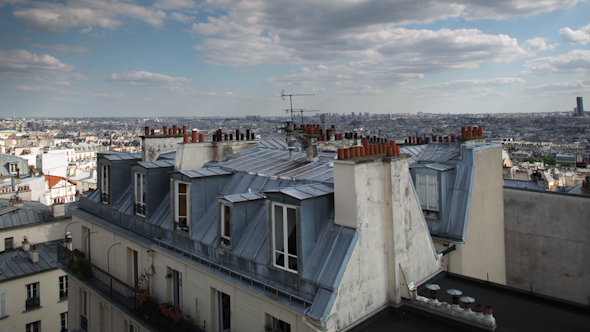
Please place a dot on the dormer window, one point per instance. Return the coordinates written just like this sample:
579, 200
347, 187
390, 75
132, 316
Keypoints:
428, 194
181, 205
225, 226
284, 237
13, 168
139, 190
105, 188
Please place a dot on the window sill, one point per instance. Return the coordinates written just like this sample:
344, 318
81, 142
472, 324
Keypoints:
63, 299
4, 317
33, 309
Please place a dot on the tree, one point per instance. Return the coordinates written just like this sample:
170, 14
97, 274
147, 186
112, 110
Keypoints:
565, 164
528, 159
549, 161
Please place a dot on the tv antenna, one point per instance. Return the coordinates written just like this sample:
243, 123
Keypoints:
299, 110
283, 94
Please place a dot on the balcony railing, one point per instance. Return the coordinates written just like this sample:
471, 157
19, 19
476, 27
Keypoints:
84, 322
148, 312
32, 302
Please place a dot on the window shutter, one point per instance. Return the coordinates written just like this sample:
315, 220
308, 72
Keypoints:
432, 192
3, 304
422, 190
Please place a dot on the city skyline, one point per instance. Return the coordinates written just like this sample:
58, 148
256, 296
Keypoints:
233, 58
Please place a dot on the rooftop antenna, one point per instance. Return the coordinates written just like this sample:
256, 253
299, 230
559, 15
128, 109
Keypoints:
283, 94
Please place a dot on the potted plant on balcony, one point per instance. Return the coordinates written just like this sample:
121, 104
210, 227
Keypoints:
143, 294
175, 313
165, 308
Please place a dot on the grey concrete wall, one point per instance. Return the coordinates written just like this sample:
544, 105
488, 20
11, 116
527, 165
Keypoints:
548, 243
154, 145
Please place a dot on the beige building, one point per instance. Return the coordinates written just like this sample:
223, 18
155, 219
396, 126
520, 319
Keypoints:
33, 289
270, 240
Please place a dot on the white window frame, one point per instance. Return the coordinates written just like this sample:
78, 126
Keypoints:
223, 237
85, 304
3, 304
31, 328
105, 171
141, 188
63, 318
63, 285
13, 168
432, 193
286, 254
32, 290
177, 205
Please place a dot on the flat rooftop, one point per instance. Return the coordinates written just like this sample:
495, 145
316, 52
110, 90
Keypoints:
514, 310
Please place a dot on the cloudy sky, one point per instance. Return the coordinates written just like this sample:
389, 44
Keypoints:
232, 57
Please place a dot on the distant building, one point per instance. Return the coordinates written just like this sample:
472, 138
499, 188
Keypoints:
580, 106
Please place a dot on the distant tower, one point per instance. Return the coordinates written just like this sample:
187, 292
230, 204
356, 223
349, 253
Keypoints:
580, 106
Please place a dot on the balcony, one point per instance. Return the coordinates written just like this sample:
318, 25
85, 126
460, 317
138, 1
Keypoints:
148, 313
32, 302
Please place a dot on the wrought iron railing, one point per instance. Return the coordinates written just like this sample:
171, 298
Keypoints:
127, 296
84, 322
32, 302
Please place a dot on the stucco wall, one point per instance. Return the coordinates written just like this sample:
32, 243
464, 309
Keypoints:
199, 289
482, 256
394, 246
50, 309
194, 155
548, 243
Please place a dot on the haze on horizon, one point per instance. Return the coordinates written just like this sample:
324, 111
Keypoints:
106, 58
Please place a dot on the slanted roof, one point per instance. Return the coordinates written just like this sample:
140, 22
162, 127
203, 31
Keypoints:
306, 191
273, 143
17, 264
532, 185
156, 163
53, 180
205, 172
117, 156
273, 162
244, 197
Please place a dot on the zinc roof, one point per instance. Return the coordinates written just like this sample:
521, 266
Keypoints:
16, 263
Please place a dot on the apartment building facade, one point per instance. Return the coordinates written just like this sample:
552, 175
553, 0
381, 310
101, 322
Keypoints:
244, 238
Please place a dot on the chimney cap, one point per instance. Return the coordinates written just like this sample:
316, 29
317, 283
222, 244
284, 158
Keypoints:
466, 299
434, 287
454, 292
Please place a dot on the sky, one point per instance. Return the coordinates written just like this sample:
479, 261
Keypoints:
106, 58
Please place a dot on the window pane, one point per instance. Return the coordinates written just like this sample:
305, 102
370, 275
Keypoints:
278, 223
181, 208
432, 193
293, 263
137, 187
422, 190
226, 221
292, 229
182, 187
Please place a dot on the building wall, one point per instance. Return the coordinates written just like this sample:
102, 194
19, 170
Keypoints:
51, 307
394, 246
548, 243
482, 256
39, 233
248, 308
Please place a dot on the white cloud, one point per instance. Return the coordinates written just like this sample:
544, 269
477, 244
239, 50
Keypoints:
572, 87
397, 56
34, 88
504, 81
180, 17
12, 2
574, 62
85, 30
52, 17
537, 44
174, 4
62, 48
24, 61
147, 80
580, 36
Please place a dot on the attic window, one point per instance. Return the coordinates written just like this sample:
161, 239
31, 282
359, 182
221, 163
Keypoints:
105, 188
13, 168
139, 190
225, 225
428, 194
284, 237
181, 205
